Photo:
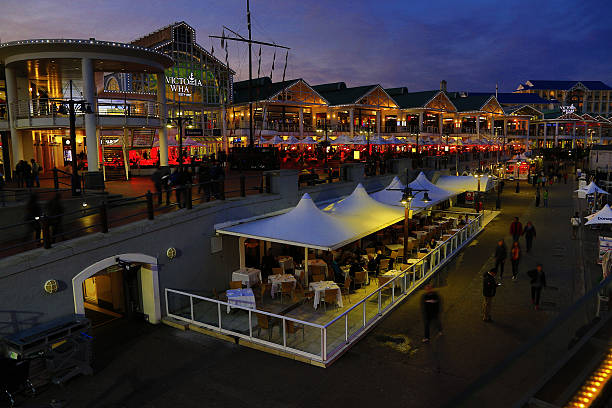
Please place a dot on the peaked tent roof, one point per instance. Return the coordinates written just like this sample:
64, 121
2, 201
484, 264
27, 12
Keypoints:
603, 216
592, 188
276, 139
392, 194
460, 184
362, 207
308, 140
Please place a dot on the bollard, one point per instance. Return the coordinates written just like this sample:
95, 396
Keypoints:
104, 217
150, 212
46, 232
55, 179
189, 201
242, 186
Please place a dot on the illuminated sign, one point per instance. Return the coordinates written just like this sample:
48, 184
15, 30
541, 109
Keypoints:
568, 109
182, 85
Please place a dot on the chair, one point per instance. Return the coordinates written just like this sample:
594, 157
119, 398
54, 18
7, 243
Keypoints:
235, 285
346, 288
292, 328
361, 278
400, 255
318, 278
286, 289
215, 294
382, 280
330, 296
312, 256
265, 287
384, 264
277, 271
264, 322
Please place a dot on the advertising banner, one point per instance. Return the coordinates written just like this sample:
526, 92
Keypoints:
605, 245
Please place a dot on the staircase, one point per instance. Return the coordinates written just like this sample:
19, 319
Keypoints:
114, 164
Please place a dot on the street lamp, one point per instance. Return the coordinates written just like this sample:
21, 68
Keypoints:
70, 108
180, 121
478, 174
408, 194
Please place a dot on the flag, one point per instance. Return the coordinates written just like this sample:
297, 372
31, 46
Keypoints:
223, 39
212, 50
285, 69
273, 59
259, 63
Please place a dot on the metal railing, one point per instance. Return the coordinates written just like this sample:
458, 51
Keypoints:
326, 341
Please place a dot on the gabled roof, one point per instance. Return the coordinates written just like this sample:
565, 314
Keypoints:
515, 98
469, 102
557, 114
564, 85
338, 93
412, 99
264, 89
510, 110
586, 116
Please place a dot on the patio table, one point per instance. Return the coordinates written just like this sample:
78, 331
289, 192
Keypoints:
277, 280
248, 276
321, 287
285, 262
394, 247
392, 274
240, 297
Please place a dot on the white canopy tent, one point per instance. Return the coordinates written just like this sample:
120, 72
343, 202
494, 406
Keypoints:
392, 194
394, 140
292, 140
460, 184
342, 140
360, 206
308, 140
603, 216
592, 188
274, 141
359, 140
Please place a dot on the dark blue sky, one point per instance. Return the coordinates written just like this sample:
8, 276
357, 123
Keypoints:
471, 44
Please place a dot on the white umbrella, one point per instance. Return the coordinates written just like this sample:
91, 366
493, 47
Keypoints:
292, 140
394, 141
359, 140
592, 188
308, 140
275, 140
342, 140
603, 216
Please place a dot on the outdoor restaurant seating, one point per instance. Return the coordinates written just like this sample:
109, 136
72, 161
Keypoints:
265, 288
235, 285
345, 288
318, 278
287, 290
361, 278
331, 297
293, 328
266, 323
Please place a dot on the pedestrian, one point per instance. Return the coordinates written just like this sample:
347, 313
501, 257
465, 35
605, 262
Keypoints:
32, 217
19, 174
156, 178
175, 182
27, 174
516, 229
55, 209
501, 252
489, 287
575, 221
546, 198
538, 281
565, 177
204, 180
518, 189
431, 305
537, 197
36, 169
530, 233
515, 257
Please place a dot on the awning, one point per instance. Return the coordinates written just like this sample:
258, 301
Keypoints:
392, 194
603, 216
592, 188
460, 184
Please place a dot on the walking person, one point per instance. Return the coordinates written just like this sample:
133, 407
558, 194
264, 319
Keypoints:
537, 197
538, 281
156, 178
431, 305
530, 233
516, 229
27, 174
19, 173
501, 252
55, 209
36, 169
32, 217
575, 221
546, 198
515, 257
489, 287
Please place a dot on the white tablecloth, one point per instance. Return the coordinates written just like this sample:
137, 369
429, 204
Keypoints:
241, 297
285, 262
392, 274
248, 276
321, 287
277, 280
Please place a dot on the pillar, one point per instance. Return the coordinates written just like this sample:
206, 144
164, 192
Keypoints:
527, 135
224, 129
378, 117
11, 96
440, 124
89, 94
505, 128
163, 137
352, 122
584, 103
420, 122
478, 126
556, 134
301, 119
545, 135
241, 252
573, 135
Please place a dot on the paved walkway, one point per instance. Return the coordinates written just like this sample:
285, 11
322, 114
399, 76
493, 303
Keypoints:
145, 366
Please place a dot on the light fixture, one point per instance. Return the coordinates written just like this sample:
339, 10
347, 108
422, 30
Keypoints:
426, 198
84, 204
169, 123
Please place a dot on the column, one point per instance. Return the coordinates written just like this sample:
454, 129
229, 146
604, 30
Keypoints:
573, 135
378, 116
11, 96
352, 122
556, 134
301, 118
505, 127
586, 134
89, 94
584, 103
544, 135
440, 124
527, 135
420, 122
224, 128
478, 126
163, 137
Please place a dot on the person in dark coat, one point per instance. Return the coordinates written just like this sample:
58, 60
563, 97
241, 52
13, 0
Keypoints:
27, 174
19, 173
538, 281
431, 304
515, 257
489, 287
204, 180
516, 229
55, 209
537, 197
32, 217
530, 233
156, 178
501, 252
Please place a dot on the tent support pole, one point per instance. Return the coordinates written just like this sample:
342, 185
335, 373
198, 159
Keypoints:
241, 251
306, 265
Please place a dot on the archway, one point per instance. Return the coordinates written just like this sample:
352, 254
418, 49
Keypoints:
148, 279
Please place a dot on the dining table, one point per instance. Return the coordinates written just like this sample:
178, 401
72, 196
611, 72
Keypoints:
248, 276
277, 281
319, 289
240, 297
285, 262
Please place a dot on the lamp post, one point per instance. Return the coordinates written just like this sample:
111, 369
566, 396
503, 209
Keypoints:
180, 121
69, 108
408, 195
478, 176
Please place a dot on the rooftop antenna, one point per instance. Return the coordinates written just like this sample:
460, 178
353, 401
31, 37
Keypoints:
496, 89
250, 41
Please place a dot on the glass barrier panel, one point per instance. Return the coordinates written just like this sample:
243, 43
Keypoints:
267, 328
355, 320
303, 337
335, 335
179, 305
206, 312
371, 307
386, 295
235, 320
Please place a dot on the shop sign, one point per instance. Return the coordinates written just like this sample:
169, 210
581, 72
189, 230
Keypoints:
605, 245
142, 138
182, 85
568, 109
194, 132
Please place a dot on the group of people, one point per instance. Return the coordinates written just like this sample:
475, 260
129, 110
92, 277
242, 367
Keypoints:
490, 280
53, 210
27, 174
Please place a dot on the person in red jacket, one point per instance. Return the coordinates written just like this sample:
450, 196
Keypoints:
516, 229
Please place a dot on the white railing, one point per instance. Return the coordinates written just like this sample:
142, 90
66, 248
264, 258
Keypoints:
328, 341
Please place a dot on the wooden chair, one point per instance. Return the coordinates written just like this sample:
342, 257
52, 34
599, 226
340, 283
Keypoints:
293, 328
215, 294
277, 271
361, 278
330, 296
382, 280
265, 288
318, 278
400, 255
346, 288
421, 254
235, 285
264, 322
384, 265
286, 289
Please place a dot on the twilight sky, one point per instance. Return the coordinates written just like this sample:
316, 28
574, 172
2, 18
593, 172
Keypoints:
473, 44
